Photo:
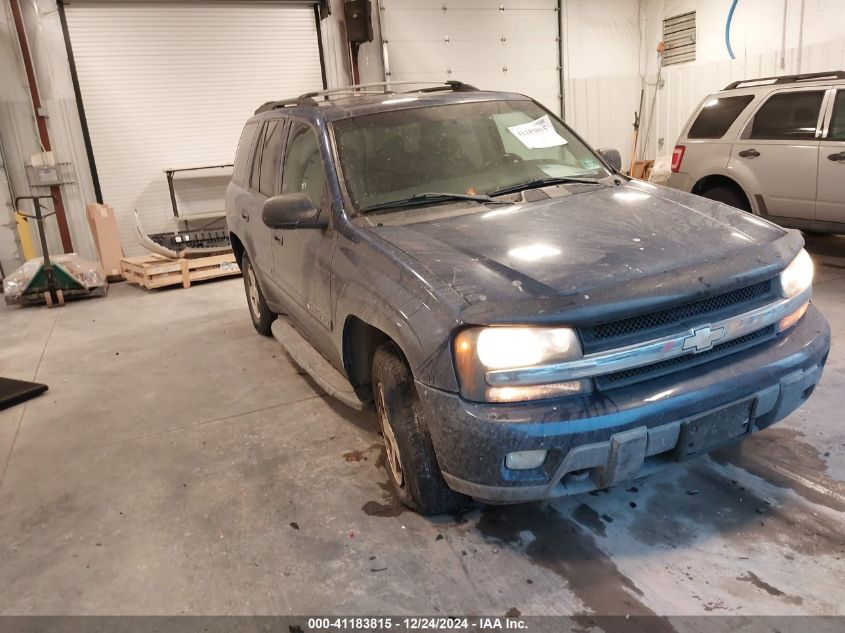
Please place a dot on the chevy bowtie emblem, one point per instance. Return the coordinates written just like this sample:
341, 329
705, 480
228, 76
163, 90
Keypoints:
703, 338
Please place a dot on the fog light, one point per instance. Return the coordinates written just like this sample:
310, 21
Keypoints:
788, 321
536, 392
525, 460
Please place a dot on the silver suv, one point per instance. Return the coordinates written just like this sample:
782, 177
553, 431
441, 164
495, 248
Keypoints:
774, 146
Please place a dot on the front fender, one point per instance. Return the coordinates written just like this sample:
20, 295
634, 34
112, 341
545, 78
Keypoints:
380, 285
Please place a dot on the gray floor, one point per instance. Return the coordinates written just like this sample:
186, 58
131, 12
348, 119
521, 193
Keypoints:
179, 464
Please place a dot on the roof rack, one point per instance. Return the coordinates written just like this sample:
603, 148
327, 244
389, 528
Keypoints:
788, 79
308, 98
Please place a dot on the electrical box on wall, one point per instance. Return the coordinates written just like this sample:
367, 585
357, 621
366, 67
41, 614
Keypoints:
359, 21
49, 175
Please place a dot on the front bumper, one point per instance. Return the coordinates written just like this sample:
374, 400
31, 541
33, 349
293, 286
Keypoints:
603, 438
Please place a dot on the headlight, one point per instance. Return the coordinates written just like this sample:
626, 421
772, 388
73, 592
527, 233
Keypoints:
798, 276
479, 350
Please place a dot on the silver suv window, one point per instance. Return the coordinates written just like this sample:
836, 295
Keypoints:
837, 123
717, 115
788, 116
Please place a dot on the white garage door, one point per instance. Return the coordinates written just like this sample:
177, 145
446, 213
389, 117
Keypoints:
170, 85
495, 44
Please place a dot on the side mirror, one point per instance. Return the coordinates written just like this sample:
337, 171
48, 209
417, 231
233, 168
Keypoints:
291, 211
612, 157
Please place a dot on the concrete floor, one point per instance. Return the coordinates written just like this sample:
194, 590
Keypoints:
180, 464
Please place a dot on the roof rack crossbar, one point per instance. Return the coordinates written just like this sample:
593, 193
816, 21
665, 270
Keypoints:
454, 86
788, 79
308, 98
272, 105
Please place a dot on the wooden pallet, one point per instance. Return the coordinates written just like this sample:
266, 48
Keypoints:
155, 271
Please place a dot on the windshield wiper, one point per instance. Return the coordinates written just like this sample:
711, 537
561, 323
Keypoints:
544, 182
427, 198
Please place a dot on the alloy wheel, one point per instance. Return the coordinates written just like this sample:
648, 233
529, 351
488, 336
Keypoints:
252, 291
391, 448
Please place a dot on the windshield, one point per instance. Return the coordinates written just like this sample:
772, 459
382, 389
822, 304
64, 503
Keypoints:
465, 148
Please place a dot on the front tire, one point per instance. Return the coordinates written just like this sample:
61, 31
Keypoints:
728, 196
409, 455
262, 315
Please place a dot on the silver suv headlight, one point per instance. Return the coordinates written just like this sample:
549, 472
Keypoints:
481, 349
798, 276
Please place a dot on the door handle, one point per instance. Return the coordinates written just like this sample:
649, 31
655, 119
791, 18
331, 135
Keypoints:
749, 153
245, 214
837, 157
278, 237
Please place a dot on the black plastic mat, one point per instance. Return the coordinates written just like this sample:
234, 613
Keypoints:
16, 391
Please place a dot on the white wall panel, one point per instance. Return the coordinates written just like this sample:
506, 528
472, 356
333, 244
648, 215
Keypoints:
601, 109
601, 63
488, 43
171, 85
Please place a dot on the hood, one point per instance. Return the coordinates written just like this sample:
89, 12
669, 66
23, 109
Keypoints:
604, 251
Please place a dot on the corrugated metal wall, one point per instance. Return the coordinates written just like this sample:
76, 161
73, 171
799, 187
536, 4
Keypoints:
17, 124
601, 109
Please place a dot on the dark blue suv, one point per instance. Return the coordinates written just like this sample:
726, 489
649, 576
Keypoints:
528, 321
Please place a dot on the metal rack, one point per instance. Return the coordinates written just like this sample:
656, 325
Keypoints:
308, 98
788, 79
172, 187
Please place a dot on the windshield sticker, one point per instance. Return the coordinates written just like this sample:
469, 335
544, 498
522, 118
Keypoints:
589, 163
561, 171
538, 134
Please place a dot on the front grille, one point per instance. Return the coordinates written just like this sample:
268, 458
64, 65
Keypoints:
647, 372
653, 325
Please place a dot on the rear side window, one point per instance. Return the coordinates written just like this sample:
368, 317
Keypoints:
256, 159
788, 116
267, 159
717, 115
837, 123
242, 153
271, 157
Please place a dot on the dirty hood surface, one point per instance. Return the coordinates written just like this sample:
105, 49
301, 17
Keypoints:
603, 250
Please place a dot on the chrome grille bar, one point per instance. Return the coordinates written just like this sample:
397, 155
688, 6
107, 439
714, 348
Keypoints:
654, 351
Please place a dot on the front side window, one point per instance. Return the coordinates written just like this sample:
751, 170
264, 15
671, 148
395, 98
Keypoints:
464, 148
242, 153
717, 115
837, 123
788, 116
303, 170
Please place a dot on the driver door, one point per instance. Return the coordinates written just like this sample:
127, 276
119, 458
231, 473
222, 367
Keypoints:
302, 257
777, 156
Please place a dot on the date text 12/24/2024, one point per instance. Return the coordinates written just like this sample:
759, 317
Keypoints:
416, 624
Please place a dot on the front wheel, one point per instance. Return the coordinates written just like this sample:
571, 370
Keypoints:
728, 196
409, 455
262, 316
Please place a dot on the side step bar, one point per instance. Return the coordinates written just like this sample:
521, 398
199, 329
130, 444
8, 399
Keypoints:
311, 361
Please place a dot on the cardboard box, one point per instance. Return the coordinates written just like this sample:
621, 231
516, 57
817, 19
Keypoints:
642, 169
106, 238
